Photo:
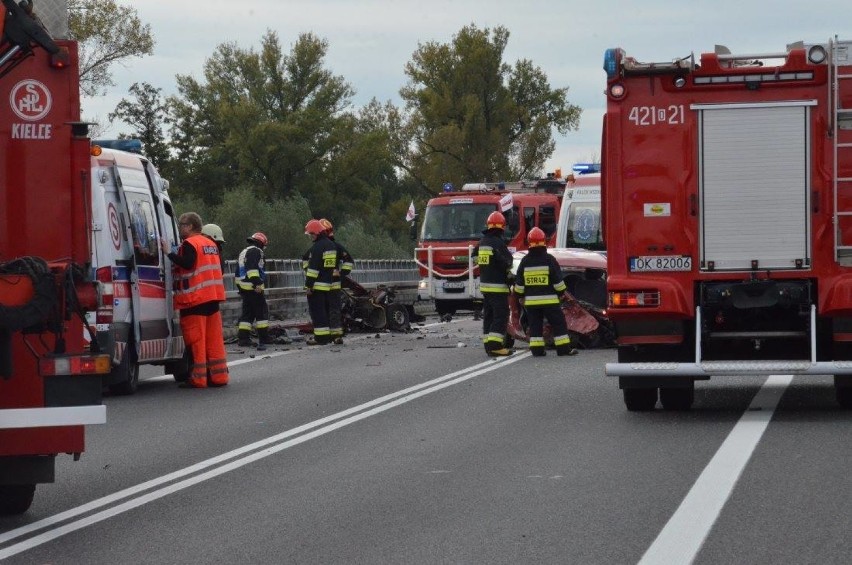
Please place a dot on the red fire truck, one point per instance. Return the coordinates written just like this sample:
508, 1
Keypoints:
453, 224
727, 192
50, 378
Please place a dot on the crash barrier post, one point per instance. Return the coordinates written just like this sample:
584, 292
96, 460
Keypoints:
285, 286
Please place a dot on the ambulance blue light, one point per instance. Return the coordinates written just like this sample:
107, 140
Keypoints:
611, 61
129, 145
586, 168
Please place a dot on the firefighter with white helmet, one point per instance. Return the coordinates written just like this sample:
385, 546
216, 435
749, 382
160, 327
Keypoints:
539, 284
214, 232
319, 279
495, 264
251, 279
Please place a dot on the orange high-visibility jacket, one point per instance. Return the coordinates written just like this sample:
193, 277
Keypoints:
204, 282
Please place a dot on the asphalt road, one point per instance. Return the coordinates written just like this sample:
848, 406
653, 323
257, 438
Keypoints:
411, 448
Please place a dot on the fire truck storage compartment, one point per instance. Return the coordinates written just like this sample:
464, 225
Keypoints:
754, 185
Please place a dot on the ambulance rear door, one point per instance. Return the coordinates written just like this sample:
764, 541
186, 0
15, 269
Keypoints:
151, 296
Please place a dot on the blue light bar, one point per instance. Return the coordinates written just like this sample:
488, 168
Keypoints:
612, 57
586, 168
129, 145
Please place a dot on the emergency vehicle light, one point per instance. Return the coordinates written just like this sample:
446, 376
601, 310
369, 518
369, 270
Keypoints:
612, 57
60, 59
616, 90
817, 54
586, 168
631, 299
74, 365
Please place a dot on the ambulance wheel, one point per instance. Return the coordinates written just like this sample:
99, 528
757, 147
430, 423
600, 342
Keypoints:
640, 399
180, 369
16, 499
677, 399
397, 316
124, 379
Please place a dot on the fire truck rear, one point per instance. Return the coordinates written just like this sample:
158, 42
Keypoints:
453, 224
727, 191
50, 379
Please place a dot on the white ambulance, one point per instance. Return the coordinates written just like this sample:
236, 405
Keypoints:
579, 223
135, 320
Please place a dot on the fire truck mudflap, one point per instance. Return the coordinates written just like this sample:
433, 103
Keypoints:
728, 219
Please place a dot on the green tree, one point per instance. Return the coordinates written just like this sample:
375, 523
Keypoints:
474, 117
267, 119
107, 33
146, 115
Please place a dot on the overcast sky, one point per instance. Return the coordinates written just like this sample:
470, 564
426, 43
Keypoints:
370, 41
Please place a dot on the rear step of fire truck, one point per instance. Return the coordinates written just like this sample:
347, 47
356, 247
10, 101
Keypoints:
840, 85
703, 369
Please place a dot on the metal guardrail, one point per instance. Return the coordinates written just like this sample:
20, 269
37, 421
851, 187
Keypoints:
286, 279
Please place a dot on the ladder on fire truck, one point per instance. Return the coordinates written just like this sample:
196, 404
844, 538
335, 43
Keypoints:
840, 85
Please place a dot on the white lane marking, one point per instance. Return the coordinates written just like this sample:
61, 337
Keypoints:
379, 405
685, 532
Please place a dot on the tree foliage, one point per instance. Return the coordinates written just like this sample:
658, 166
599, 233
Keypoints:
107, 33
267, 119
147, 116
474, 117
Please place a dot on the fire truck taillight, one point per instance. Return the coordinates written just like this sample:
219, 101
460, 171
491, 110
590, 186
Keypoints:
60, 59
74, 365
634, 299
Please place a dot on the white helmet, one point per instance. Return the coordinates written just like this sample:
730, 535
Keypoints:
214, 232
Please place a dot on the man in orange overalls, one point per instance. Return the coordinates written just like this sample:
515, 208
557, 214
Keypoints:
198, 290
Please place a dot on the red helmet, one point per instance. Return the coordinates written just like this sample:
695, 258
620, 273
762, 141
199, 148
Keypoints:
329, 227
258, 237
496, 220
536, 238
314, 227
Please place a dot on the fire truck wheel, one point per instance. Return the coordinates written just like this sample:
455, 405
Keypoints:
397, 316
677, 399
15, 499
125, 378
844, 396
640, 399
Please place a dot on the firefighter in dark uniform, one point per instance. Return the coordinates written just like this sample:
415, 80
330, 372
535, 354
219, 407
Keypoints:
251, 279
539, 284
345, 264
319, 278
495, 263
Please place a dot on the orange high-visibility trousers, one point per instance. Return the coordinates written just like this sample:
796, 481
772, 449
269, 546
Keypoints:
203, 336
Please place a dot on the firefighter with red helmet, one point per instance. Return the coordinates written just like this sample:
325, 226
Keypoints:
539, 284
198, 290
345, 264
495, 264
319, 279
251, 279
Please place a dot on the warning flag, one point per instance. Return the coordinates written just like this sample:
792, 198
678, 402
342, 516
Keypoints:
412, 213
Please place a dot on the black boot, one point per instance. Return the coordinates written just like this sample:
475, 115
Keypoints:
244, 338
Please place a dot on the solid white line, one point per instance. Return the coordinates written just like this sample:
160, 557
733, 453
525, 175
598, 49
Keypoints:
405, 395
683, 535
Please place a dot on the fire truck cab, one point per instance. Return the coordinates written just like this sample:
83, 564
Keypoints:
727, 193
453, 224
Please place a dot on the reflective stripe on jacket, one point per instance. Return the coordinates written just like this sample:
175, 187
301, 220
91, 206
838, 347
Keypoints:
250, 273
539, 278
204, 282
